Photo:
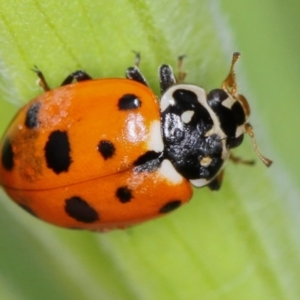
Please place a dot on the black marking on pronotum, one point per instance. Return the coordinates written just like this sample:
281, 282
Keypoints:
187, 100
80, 210
106, 149
216, 96
7, 155
129, 101
170, 206
124, 194
57, 151
31, 120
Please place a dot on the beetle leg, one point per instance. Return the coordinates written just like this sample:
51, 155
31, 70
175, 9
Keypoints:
134, 72
137, 59
41, 79
166, 77
78, 76
181, 74
239, 160
216, 183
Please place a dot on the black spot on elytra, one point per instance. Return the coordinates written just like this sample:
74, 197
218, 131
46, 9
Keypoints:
124, 194
129, 101
106, 149
57, 152
28, 209
80, 210
7, 155
31, 120
170, 206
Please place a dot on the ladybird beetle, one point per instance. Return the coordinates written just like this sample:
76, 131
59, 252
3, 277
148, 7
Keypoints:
104, 154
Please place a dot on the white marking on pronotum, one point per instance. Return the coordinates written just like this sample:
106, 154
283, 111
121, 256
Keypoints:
168, 171
200, 93
199, 182
187, 116
205, 161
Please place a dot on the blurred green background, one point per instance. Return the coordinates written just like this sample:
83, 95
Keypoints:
240, 243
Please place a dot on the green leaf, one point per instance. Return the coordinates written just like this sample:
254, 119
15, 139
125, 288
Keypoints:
239, 243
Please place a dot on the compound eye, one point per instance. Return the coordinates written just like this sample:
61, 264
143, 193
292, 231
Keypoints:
235, 142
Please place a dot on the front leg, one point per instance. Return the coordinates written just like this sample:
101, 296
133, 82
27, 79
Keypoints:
134, 73
41, 79
216, 183
78, 76
166, 77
